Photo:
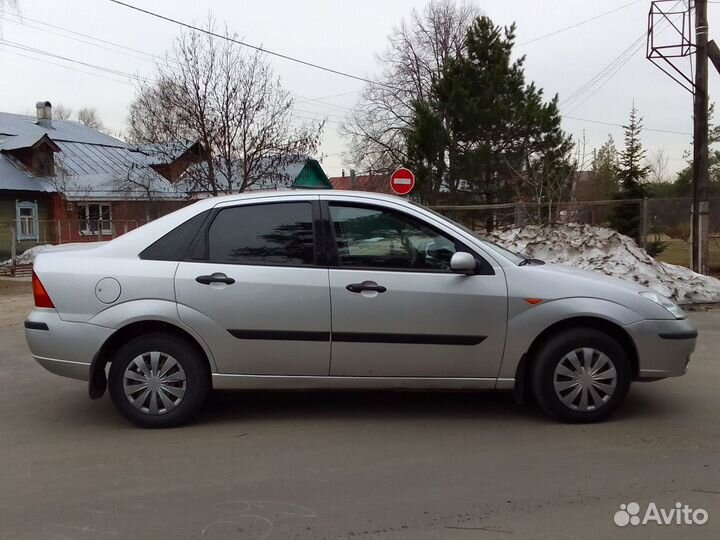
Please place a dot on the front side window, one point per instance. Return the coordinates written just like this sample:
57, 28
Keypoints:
94, 217
379, 238
27, 221
263, 234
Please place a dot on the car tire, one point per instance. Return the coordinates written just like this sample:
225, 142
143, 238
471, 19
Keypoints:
580, 375
158, 380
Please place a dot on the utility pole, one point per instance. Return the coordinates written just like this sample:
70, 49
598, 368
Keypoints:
701, 205
666, 57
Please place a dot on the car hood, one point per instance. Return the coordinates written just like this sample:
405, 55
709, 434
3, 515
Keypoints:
588, 280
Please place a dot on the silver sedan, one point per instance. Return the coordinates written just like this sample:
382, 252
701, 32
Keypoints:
308, 289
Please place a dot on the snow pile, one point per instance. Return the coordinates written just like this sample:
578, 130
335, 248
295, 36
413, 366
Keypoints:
607, 251
27, 256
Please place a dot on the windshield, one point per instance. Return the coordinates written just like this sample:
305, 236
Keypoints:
510, 255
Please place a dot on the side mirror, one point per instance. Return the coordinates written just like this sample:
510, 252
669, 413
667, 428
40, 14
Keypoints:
463, 263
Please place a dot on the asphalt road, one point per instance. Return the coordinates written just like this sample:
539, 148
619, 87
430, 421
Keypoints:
351, 465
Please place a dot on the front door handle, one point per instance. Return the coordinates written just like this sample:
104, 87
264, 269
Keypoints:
217, 277
366, 286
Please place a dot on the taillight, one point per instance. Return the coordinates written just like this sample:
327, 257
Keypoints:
42, 298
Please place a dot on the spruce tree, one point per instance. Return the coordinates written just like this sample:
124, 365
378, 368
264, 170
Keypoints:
625, 218
484, 127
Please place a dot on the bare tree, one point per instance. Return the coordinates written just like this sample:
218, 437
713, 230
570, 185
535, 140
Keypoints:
229, 100
658, 166
61, 112
418, 49
89, 117
142, 183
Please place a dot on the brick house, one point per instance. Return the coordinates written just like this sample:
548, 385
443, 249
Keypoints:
61, 181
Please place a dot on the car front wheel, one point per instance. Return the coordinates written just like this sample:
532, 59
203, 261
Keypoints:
158, 381
581, 375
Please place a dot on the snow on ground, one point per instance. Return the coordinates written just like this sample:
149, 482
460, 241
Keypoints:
604, 250
27, 256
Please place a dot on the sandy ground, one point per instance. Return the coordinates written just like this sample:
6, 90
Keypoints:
350, 465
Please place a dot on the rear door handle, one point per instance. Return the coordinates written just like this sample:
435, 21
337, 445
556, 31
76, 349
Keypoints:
366, 286
217, 277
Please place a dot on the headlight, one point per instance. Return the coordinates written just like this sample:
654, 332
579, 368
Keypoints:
668, 304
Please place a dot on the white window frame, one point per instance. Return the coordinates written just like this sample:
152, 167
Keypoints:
106, 226
27, 227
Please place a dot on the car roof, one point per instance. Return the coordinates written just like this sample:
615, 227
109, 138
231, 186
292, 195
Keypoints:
310, 193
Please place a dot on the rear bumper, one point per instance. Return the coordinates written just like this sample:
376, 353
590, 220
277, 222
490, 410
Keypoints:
61, 347
664, 347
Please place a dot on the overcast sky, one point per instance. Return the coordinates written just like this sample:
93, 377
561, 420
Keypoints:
346, 35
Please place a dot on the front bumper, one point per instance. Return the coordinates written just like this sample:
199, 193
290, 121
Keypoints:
61, 347
663, 346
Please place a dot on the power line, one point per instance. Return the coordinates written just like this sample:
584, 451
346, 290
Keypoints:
21, 20
111, 71
249, 45
623, 125
68, 67
610, 68
316, 101
608, 72
578, 23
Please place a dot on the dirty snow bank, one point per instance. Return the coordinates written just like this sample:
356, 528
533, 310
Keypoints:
27, 256
607, 251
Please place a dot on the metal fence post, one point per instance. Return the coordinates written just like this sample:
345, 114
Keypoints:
13, 250
644, 222
518, 215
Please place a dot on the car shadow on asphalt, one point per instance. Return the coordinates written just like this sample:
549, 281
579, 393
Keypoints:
487, 407
429, 406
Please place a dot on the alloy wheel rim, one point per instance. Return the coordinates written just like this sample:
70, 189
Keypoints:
585, 379
154, 383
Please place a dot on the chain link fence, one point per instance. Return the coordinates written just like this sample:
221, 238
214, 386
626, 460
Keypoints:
662, 224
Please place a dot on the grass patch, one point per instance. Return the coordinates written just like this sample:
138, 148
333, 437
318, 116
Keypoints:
678, 252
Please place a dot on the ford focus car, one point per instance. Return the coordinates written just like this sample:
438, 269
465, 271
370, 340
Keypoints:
345, 290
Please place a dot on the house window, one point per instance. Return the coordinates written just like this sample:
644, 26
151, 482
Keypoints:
27, 220
94, 216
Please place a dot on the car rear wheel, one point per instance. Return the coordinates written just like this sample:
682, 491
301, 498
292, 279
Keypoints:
158, 381
581, 375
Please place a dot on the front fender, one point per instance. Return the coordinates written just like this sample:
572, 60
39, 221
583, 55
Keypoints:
527, 322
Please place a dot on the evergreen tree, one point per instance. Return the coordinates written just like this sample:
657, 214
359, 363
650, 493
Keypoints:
483, 127
605, 166
632, 171
682, 187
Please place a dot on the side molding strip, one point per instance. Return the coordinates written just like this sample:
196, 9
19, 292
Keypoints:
358, 337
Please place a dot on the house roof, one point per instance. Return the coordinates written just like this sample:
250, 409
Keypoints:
375, 183
285, 176
15, 179
89, 164
61, 130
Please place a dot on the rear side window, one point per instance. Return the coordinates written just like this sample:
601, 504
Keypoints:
263, 234
174, 245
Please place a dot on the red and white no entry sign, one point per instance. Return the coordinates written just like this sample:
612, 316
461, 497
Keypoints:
402, 181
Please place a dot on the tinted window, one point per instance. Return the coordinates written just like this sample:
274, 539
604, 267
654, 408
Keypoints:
378, 238
174, 245
263, 234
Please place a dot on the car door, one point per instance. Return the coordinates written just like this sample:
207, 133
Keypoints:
255, 290
397, 308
